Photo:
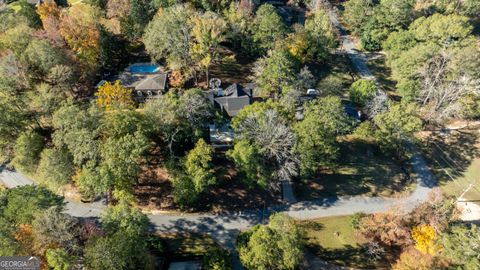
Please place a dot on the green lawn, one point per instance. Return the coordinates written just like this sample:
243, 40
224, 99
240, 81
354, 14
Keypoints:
455, 161
334, 240
187, 245
362, 169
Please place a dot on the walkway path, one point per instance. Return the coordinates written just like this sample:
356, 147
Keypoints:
225, 227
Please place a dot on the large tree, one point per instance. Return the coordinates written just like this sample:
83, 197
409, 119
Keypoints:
263, 133
317, 133
268, 27
168, 36
208, 31
277, 245
198, 165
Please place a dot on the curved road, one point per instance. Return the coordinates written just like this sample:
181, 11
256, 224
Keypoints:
225, 227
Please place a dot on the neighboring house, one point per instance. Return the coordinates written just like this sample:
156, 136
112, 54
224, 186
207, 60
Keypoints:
233, 98
229, 101
146, 81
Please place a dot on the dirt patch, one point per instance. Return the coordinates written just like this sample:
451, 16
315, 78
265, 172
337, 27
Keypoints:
154, 191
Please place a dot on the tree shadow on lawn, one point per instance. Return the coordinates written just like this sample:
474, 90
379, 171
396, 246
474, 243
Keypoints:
362, 170
349, 256
451, 155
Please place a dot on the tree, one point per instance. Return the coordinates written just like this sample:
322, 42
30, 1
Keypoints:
460, 245
59, 259
277, 245
124, 246
168, 37
55, 168
275, 73
28, 11
135, 20
357, 13
52, 228
41, 56
28, 147
424, 237
266, 135
268, 27
323, 121
208, 31
78, 130
22, 204
362, 91
198, 166
49, 14
114, 96
79, 27
396, 125
184, 192
389, 229
179, 119
217, 259
320, 35
249, 161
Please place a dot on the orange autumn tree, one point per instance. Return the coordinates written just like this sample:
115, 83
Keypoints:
114, 96
424, 236
79, 27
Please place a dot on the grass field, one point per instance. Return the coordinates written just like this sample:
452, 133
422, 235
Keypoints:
455, 160
187, 245
362, 170
334, 240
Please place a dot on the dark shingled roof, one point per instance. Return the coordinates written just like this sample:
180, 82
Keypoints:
232, 99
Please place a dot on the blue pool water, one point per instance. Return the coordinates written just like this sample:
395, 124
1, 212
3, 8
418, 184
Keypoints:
144, 68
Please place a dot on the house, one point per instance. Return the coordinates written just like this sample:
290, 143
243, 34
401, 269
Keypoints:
233, 98
146, 81
144, 85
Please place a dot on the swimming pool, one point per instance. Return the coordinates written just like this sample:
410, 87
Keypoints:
143, 68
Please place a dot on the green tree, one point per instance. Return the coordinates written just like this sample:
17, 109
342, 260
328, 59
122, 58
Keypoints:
28, 11
323, 121
41, 56
78, 130
460, 245
59, 259
217, 259
268, 27
320, 35
277, 245
362, 91
249, 161
357, 13
167, 37
22, 204
55, 168
184, 192
275, 72
139, 15
124, 246
396, 125
198, 166
28, 147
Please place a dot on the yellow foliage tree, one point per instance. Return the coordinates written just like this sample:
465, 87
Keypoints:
114, 96
49, 14
208, 32
424, 236
297, 45
79, 27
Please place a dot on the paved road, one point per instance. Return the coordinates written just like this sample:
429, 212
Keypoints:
225, 227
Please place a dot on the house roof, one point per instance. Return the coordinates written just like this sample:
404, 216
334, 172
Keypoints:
143, 82
156, 82
232, 105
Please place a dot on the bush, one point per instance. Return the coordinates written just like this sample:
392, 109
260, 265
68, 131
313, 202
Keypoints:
356, 219
27, 152
362, 91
